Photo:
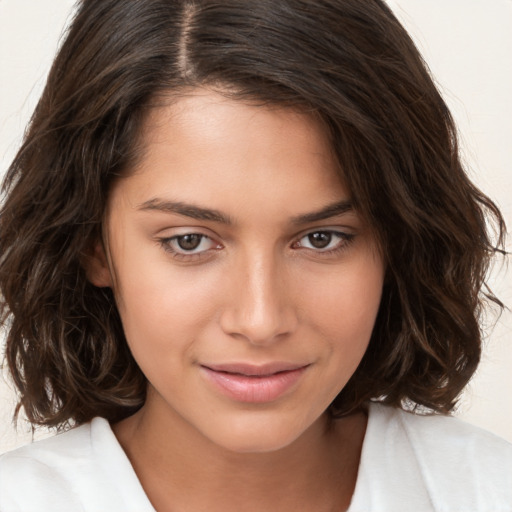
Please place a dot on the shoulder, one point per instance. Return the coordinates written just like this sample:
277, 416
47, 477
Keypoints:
51, 448
80, 470
451, 464
28, 473
447, 441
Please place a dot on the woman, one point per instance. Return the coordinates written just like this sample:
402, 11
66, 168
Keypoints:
239, 226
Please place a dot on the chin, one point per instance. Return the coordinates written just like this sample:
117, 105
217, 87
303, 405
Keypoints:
252, 436
256, 444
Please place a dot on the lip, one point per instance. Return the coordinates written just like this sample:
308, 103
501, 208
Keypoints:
250, 383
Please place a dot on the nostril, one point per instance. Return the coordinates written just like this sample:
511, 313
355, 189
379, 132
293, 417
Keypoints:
258, 326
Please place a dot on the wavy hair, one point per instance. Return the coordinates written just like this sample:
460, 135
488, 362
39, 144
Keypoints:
350, 63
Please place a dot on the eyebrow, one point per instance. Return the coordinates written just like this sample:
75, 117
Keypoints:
331, 210
200, 213
186, 209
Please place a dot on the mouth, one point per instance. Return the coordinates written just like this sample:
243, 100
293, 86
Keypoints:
251, 383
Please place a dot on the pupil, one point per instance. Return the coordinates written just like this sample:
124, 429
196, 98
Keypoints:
320, 240
189, 242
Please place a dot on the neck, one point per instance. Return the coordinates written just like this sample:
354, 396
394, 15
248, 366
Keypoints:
180, 469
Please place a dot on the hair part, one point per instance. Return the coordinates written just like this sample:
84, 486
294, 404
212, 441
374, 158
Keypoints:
348, 62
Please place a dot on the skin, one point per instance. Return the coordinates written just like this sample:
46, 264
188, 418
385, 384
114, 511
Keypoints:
255, 290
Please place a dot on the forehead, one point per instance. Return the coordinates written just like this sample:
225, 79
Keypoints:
205, 116
205, 147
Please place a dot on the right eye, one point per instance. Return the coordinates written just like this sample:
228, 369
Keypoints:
188, 244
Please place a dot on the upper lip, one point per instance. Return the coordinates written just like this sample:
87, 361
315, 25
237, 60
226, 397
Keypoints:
249, 369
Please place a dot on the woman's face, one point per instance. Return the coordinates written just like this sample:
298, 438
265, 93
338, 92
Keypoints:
247, 284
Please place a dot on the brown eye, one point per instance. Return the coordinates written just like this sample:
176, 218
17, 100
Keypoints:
189, 242
320, 239
324, 242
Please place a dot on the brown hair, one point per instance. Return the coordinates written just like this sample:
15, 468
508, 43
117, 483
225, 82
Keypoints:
347, 61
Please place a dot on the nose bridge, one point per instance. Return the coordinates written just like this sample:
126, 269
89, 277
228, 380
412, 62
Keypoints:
259, 308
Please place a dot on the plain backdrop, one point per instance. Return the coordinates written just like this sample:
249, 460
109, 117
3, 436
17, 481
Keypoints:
468, 47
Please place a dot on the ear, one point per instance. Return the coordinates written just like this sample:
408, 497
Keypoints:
96, 266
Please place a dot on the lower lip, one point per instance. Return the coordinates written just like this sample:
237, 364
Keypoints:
253, 389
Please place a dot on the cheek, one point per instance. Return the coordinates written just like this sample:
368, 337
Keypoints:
343, 312
161, 306
345, 318
349, 299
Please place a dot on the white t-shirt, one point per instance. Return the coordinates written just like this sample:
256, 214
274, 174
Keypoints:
409, 463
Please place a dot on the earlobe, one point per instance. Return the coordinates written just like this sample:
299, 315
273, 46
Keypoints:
97, 268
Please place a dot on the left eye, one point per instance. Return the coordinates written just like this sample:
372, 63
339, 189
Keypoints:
323, 240
191, 243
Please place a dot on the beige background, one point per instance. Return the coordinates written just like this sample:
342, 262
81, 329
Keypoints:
468, 46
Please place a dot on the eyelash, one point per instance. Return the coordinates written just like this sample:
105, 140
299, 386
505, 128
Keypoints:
344, 241
166, 243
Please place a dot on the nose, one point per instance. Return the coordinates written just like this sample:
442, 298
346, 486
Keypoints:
260, 307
